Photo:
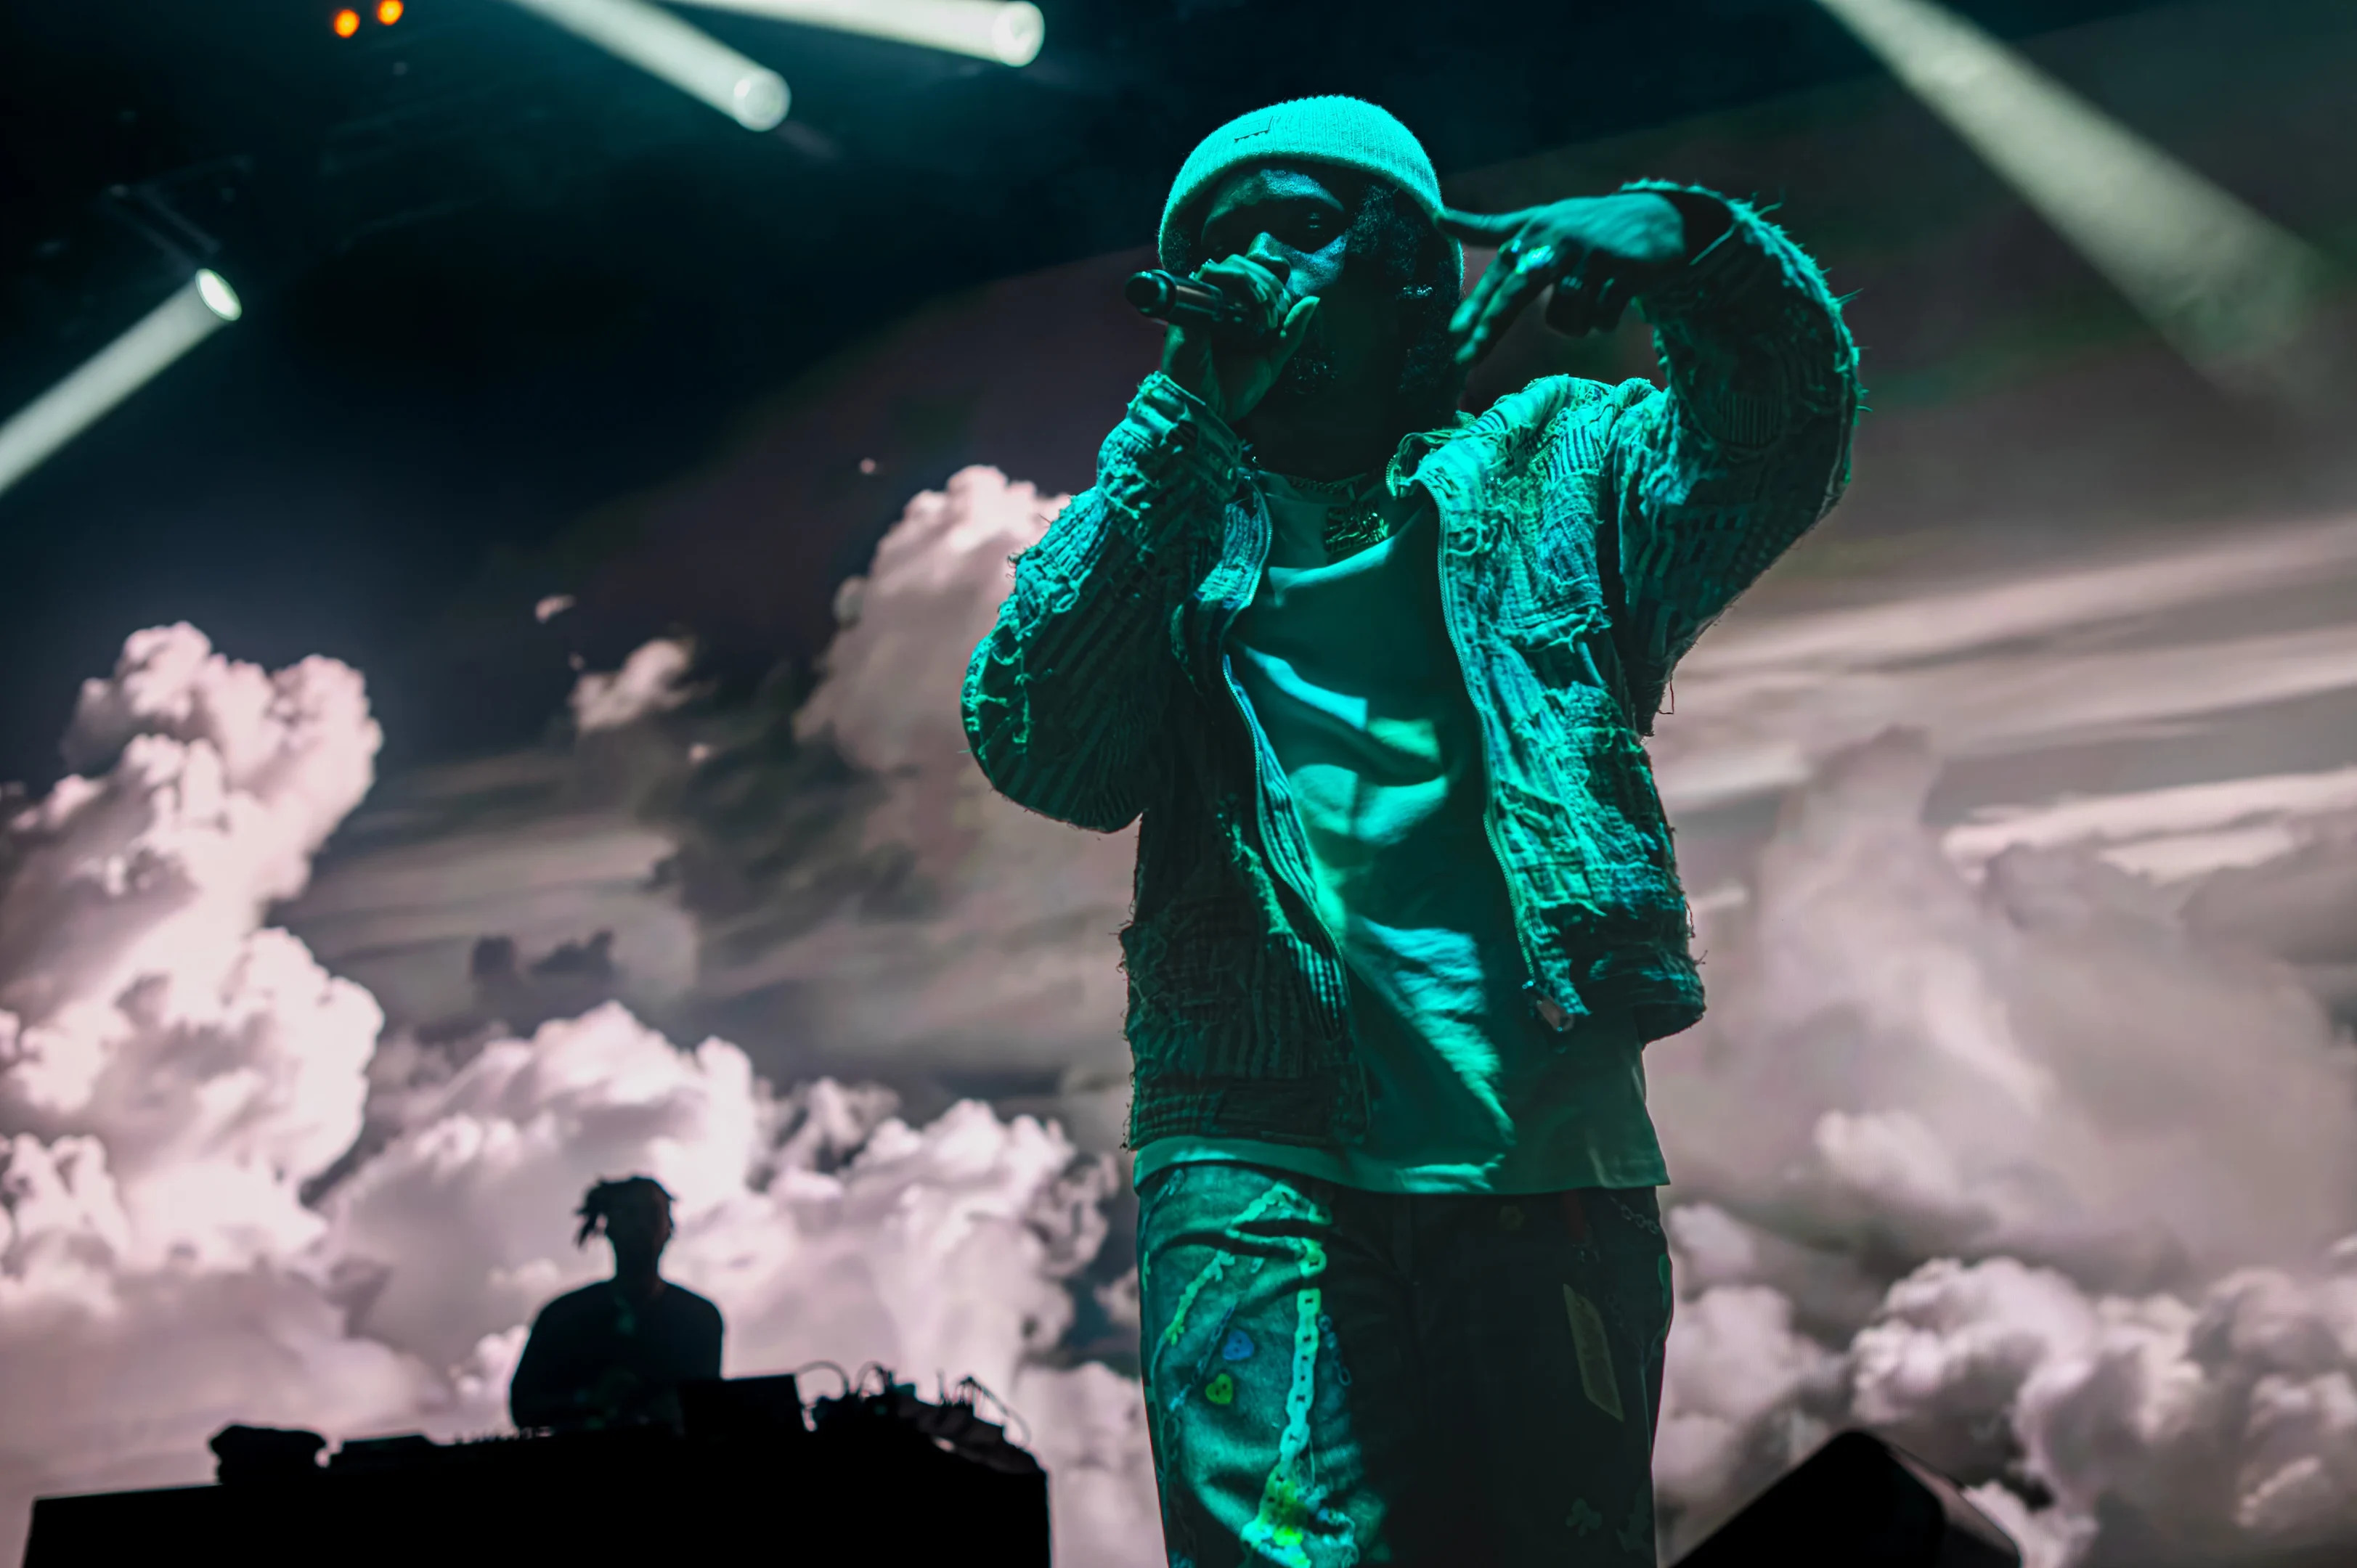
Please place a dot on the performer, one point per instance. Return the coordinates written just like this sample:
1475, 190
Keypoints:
614, 1353
1373, 674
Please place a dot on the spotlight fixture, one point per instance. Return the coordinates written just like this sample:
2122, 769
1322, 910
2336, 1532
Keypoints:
218, 298
1009, 33
661, 45
347, 22
2231, 291
388, 12
195, 313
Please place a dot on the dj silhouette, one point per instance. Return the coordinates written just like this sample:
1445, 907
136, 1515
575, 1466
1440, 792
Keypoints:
614, 1353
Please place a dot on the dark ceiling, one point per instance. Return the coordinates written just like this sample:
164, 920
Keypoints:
900, 168
494, 278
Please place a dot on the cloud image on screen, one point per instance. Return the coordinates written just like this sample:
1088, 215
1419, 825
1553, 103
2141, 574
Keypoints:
1997, 1140
176, 1078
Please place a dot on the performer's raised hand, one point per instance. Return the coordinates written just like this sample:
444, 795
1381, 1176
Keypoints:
1232, 374
1598, 252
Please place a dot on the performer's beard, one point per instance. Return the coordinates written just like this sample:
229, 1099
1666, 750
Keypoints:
1426, 378
1309, 372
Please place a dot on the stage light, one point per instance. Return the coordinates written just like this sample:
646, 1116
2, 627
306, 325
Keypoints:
347, 23
661, 45
2230, 290
988, 29
388, 12
218, 298
195, 313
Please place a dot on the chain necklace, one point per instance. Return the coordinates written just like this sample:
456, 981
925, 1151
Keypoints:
1355, 518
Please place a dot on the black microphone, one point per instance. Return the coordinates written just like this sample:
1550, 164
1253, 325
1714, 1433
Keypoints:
1188, 302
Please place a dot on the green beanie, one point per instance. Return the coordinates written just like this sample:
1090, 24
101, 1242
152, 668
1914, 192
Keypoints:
1342, 130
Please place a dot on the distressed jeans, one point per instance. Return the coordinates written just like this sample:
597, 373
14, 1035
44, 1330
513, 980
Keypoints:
1334, 1376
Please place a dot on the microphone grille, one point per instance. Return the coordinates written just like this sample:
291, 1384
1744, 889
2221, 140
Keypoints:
1150, 292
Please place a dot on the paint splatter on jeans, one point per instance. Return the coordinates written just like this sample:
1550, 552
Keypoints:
1336, 1376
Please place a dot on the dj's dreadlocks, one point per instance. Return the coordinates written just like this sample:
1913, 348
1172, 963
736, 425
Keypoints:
601, 1202
615, 1352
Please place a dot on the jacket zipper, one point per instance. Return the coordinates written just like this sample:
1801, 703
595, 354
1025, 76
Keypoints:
1514, 897
1264, 787
1268, 784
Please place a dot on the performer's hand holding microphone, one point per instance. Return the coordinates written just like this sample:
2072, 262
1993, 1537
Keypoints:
1232, 329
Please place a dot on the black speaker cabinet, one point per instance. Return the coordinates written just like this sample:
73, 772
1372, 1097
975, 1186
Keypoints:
1859, 1503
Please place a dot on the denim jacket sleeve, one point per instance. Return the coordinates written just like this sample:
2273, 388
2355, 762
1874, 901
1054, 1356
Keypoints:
1717, 476
1064, 700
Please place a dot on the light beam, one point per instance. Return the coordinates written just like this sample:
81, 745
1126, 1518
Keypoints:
661, 45
192, 315
1010, 34
2231, 291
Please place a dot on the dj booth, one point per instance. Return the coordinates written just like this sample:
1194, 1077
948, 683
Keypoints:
877, 1481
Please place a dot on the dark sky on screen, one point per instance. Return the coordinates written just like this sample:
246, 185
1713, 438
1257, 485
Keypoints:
497, 283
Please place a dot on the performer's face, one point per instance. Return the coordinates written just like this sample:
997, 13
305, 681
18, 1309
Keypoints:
641, 1227
1295, 223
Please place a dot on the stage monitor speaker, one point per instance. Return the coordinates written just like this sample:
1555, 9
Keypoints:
744, 1410
1859, 1503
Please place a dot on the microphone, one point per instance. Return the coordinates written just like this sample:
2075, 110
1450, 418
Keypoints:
1186, 302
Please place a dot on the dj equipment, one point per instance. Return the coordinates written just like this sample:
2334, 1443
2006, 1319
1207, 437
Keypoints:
1188, 302
881, 1479
1858, 1502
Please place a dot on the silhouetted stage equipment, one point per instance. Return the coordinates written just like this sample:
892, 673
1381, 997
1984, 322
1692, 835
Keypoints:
878, 1479
1859, 1503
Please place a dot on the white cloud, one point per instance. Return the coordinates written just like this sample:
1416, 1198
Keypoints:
171, 1071
1943, 1364
2048, 1065
848, 896
1744, 1397
2167, 834
995, 943
464, 1210
2300, 908
2215, 1427
2229, 1423
2100, 1160
140, 1003
653, 680
1994, 1165
2048, 1537
2076, 655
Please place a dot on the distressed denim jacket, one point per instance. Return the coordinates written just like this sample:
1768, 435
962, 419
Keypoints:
1588, 534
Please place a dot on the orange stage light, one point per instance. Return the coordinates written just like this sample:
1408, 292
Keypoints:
388, 11
347, 23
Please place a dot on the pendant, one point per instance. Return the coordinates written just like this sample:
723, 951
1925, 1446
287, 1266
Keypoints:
1351, 529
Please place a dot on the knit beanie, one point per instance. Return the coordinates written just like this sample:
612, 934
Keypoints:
1341, 131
